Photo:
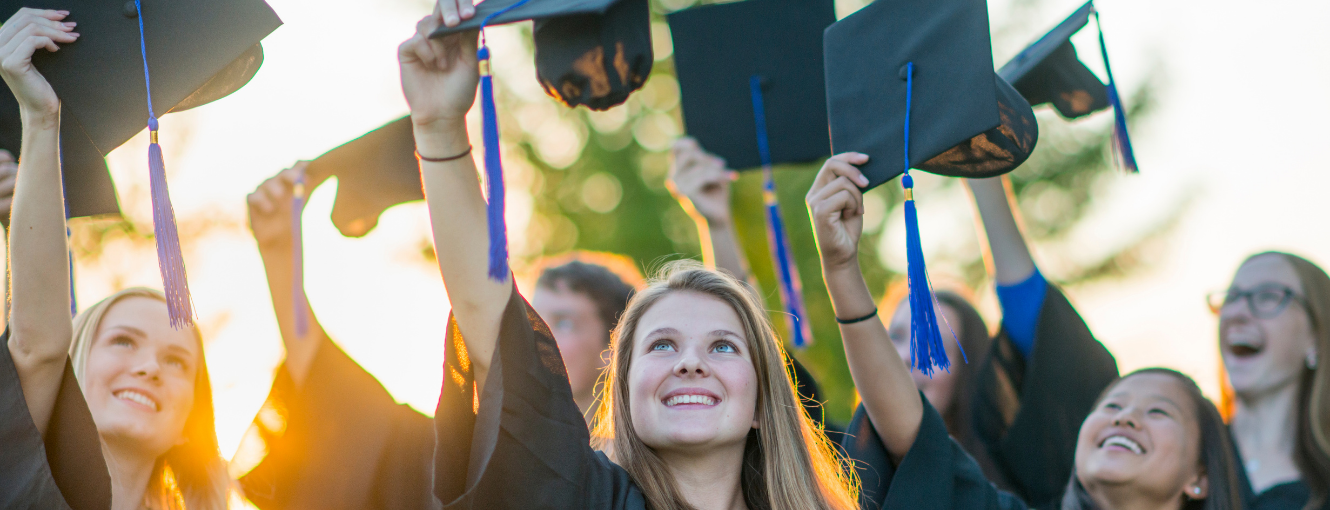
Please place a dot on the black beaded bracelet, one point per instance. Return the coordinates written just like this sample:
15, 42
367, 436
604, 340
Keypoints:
444, 160
857, 319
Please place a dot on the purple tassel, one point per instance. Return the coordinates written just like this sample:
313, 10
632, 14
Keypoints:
169, 258
298, 305
498, 228
926, 346
791, 289
1122, 151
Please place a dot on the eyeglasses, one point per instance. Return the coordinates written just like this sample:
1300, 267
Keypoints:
1264, 302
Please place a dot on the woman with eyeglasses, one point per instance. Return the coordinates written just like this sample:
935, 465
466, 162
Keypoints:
1274, 337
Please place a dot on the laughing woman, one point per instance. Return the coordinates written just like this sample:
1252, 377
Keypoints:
146, 384
698, 405
1274, 338
1151, 439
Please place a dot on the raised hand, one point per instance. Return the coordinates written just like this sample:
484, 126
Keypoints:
270, 207
439, 78
836, 206
20, 37
701, 183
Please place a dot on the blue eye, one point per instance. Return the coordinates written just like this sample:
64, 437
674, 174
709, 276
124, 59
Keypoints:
725, 347
662, 347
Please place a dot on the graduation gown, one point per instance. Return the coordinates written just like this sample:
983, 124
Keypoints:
339, 441
523, 444
937, 473
64, 470
1028, 412
1285, 496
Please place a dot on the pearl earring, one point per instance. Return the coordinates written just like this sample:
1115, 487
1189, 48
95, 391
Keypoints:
1311, 360
1196, 491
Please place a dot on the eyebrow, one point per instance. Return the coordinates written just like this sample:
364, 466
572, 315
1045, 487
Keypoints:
130, 329
1121, 393
661, 332
725, 332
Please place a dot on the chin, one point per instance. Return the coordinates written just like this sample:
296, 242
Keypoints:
1109, 471
126, 430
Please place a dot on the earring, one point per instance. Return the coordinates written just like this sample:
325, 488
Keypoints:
1311, 359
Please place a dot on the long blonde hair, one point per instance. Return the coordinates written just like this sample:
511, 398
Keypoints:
190, 475
788, 463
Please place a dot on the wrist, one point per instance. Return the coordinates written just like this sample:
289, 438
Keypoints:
39, 120
441, 138
716, 223
843, 268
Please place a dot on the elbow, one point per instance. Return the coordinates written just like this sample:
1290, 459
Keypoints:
39, 346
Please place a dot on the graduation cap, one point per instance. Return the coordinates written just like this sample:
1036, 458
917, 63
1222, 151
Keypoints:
167, 54
374, 172
931, 61
1048, 71
752, 93
592, 52
87, 180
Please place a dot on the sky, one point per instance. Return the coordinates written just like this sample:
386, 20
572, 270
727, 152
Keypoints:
1238, 135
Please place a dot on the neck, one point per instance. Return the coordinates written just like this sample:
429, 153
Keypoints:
709, 479
131, 472
1267, 421
1129, 497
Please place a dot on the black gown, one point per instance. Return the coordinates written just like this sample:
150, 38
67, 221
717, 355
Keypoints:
1028, 413
937, 473
339, 441
64, 470
1285, 496
523, 444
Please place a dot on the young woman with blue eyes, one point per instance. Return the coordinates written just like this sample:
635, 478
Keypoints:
1151, 440
142, 383
1274, 341
697, 403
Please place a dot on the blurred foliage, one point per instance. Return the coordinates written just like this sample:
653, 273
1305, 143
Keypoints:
611, 196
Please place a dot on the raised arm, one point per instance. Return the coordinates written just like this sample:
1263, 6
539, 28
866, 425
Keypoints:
270, 222
439, 78
883, 378
40, 326
701, 183
1012, 262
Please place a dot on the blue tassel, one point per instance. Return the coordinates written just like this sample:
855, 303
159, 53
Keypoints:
1122, 150
791, 288
498, 228
170, 261
299, 307
926, 346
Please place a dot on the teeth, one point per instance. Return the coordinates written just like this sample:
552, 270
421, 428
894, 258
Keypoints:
1125, 443
134, 396
690, 399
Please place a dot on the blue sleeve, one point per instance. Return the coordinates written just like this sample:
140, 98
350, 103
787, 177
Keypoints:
1021, 303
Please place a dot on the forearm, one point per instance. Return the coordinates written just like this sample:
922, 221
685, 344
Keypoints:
1012, 262
461, 243
720, 248
279, 265
41, 329
882, 377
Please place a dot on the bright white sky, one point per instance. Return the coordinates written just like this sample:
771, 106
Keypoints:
1239, 129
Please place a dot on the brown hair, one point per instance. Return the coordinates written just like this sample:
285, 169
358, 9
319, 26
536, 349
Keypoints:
788, 463
608, 280
1221, 469
1313, 451
190, 475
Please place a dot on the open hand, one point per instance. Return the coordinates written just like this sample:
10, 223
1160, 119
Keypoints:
20, 37
700, 181
836, 205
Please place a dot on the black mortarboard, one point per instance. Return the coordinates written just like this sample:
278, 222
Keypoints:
610, 64
161, 54
1048, 71
88, 187
968, 121
718, 48
374, 172
928, 60
752, 92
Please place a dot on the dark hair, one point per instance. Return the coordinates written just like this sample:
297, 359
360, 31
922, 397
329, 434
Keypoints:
1216, 453
606, 289
975, 341
1312, 455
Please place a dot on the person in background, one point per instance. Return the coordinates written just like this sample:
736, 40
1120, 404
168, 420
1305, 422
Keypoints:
1274, 339
1151, 441
145, 384
330, 435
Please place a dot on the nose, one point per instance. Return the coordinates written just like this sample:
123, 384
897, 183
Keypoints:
148, 368
691, 364
1126, 418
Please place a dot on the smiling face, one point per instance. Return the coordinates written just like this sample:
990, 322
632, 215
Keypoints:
1263, 355
692, 384
1144, 434
940, 387
580, 332
139, 376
